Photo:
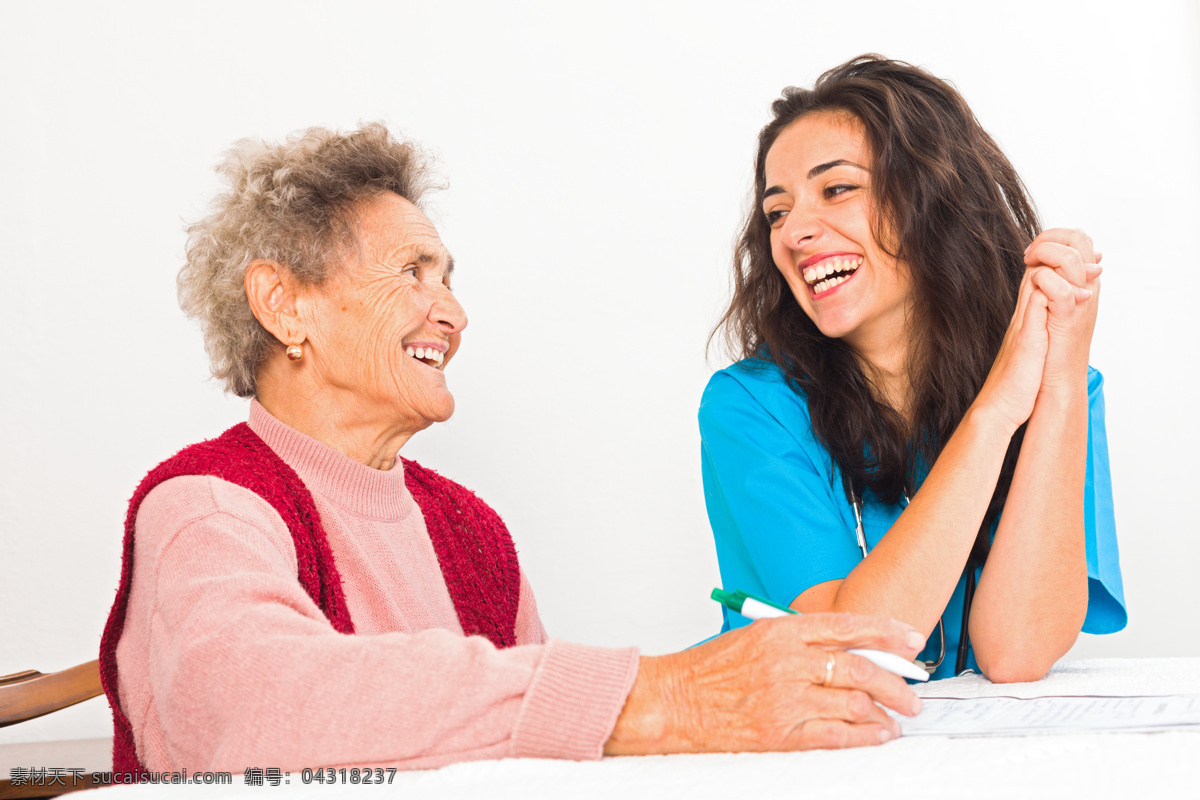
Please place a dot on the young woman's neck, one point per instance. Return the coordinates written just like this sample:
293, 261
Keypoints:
886, 364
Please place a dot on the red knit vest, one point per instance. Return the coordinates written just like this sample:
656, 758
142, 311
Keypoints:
473, 547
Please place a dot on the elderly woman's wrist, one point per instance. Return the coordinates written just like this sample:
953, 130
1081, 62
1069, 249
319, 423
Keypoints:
644, 724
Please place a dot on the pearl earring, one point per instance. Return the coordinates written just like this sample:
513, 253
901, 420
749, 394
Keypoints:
295, 352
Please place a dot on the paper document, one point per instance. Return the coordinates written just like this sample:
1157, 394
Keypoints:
1010, 716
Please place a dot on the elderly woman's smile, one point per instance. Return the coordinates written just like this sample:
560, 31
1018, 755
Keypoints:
430, 354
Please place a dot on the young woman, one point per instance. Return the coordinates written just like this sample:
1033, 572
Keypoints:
913, 429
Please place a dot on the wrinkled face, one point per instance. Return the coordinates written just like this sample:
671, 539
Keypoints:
383, 327
819, 204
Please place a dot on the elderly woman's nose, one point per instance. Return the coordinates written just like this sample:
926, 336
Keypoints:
447, 313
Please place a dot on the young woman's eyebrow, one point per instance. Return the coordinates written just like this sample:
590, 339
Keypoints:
814, 172
828, 165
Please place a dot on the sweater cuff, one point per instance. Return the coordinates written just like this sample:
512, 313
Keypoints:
574, 700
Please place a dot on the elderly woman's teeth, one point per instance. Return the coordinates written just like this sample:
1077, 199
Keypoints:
822, 276
431, 355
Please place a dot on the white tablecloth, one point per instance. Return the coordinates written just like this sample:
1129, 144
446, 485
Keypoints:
1103, 765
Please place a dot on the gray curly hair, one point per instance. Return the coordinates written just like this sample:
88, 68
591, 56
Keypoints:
287, 203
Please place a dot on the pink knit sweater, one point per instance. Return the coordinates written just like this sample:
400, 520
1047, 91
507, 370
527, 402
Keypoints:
226, 663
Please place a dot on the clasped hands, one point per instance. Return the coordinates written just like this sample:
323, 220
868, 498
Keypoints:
1045, 350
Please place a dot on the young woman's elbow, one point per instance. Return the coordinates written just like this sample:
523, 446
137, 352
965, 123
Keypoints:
1016, 664
1014, 670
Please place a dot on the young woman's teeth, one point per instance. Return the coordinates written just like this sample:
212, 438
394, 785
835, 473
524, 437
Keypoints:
428, 354
829, 274
822, 286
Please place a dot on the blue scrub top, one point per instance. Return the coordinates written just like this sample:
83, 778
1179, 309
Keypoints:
782, 523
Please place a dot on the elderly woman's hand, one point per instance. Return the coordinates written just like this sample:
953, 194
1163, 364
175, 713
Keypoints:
762, 688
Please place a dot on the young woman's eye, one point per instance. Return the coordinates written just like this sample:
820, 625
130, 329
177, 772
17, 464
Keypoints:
834, 191
775, 218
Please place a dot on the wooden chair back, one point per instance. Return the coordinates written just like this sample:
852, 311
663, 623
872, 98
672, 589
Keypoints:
30, 694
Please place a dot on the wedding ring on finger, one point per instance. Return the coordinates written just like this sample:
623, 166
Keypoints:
830, 663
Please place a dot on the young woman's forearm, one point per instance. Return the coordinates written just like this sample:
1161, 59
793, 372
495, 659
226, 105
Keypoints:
912, 572
1032, 595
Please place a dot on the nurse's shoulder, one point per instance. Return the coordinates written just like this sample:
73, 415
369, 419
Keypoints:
754, 385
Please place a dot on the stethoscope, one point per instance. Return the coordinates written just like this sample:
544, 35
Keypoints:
860, 535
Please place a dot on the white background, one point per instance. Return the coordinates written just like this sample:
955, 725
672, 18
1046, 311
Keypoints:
598, 158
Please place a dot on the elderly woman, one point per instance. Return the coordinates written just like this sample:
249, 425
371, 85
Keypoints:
295, 594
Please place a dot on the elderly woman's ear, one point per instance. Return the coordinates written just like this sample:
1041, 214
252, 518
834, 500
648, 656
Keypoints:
272, 292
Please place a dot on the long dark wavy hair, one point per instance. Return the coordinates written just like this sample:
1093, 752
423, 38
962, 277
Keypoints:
957, 216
